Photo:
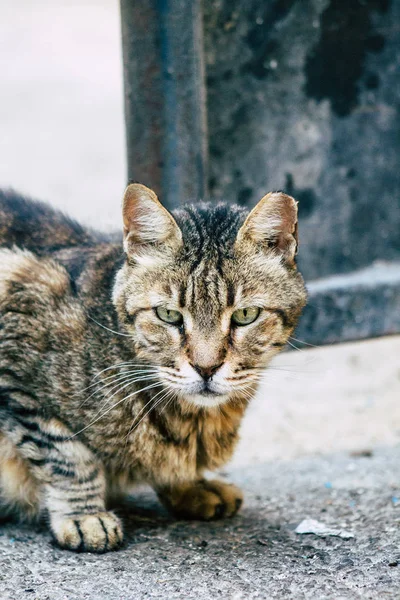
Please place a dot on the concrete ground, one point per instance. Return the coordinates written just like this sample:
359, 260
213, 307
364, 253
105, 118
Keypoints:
322, 438
256, 555
320, 441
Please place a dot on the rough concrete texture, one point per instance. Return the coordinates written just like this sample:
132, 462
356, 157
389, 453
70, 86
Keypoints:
304, 97
256, 555
357, 305
340, 404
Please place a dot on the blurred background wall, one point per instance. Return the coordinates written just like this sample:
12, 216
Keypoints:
304, 96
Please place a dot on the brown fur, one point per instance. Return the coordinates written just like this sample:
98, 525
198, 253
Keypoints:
97, 393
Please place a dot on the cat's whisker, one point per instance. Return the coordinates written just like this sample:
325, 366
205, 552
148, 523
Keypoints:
303, 342
172, 381
271, 368
169, 394
127, 363
248, 389
275, 377
148, 412
110, 379
122, 379
306, 361
108, 329
168, 402
294, 346
144, 408
120, 388
154, 397
282, 375
154, 385
246, 392
141, 410
121, 364
284, 368
116, 375
173, 384
169, 399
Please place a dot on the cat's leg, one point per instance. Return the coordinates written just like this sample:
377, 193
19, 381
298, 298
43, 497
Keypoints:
19, 490
201, 499
73, 484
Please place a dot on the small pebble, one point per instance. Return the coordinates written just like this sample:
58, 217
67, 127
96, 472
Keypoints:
365, 453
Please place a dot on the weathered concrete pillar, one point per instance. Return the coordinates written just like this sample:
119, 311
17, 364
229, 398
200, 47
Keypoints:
165, 109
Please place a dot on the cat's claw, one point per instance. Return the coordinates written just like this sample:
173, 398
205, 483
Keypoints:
99, 532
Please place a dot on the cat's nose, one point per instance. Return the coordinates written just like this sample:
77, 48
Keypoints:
206, 372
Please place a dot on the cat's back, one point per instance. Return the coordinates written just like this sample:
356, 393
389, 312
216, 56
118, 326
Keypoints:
30, 233
36, 226
38, 239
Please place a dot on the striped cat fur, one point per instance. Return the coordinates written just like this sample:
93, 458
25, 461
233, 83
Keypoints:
134, 361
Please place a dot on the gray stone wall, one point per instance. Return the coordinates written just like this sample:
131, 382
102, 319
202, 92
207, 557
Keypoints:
304, 96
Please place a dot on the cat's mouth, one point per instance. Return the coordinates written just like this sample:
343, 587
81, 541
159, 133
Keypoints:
207, 398
200, 391
206, 394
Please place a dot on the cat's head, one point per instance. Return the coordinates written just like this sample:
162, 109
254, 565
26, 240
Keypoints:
209, 294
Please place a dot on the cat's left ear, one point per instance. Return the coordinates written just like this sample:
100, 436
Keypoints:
272, 224
148, 226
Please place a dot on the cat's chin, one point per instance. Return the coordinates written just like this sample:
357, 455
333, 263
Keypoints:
206, 400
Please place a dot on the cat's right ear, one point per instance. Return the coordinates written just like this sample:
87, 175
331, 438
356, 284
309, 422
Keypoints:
148, 226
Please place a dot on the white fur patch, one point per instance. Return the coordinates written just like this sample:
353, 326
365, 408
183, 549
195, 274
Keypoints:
206, 401
11, 261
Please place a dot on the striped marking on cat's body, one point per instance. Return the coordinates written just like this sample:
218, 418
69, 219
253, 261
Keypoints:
97, 391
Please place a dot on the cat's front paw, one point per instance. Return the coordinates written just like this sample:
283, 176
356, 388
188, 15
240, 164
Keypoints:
204, 500
100, 532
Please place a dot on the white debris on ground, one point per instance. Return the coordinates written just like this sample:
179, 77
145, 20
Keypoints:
322, 530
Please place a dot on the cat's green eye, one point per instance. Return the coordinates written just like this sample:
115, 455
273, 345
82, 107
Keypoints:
245, 316
173, 317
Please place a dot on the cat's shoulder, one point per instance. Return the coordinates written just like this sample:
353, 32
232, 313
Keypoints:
22, 273
36, 297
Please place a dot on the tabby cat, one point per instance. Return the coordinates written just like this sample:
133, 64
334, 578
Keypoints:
135, 363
